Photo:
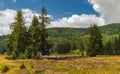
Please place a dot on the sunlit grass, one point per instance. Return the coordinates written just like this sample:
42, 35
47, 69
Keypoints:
91, 65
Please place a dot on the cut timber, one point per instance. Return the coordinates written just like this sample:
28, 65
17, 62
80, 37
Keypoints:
61, 57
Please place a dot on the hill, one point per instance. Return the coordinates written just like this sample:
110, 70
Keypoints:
108, 31
57, 34
111, 29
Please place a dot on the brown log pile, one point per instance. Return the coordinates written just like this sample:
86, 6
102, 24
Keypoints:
61, 57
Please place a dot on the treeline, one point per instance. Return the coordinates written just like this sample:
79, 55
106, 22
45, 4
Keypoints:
112, 46
111, 29
29, 42
37, 40
91, 45
3, 44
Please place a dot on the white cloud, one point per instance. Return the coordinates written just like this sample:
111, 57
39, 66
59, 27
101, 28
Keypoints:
78, 21
109, 9
28, 15
6, 18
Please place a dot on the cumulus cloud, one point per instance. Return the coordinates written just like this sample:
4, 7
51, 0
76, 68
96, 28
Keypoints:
28, 15
109, 9
75, 21
8, 16
78, 21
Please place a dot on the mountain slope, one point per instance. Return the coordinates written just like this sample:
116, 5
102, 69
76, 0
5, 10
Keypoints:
111, 29
56, 34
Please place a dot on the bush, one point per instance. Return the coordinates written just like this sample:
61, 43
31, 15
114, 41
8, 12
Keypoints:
22, 66
77, 51
39, 72
22, 56
14, 56
5, 69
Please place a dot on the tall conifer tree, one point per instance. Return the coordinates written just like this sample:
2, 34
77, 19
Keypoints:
17, 38
95, 42
45, 44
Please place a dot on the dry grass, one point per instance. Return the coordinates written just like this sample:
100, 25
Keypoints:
95, 65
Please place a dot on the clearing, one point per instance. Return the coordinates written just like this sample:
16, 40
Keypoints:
90, 65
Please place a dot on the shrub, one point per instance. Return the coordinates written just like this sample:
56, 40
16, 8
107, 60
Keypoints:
22, 66
22, 56
14, 56
40, 71
5, 69
77, 51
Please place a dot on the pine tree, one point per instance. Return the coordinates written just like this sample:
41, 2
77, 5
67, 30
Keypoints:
17, 38
95, 42
45, 44
34, 39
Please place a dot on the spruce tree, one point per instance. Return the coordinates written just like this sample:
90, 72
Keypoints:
95, 42
17, 38
45, 44
34, 39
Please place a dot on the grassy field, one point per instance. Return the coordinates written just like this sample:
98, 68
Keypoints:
91, 65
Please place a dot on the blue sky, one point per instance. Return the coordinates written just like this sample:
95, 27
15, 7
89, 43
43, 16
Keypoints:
56, 8
63, 13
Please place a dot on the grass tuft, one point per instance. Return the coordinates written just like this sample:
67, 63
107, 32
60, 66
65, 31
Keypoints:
5, 69
22, 66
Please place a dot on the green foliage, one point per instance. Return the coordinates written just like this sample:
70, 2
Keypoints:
77, 51
112, 47
95, 42
45, 45
34, 37
70, 34
39, 72
16, 42
28, 43
5, 69
14, 55
111, 29
63, 47
3, 44
80, 45
23, 56
37, 40
22, 66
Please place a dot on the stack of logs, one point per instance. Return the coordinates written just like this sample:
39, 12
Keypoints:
61, 57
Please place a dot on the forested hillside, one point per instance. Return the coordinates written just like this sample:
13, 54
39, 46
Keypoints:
110, 29
73, 34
